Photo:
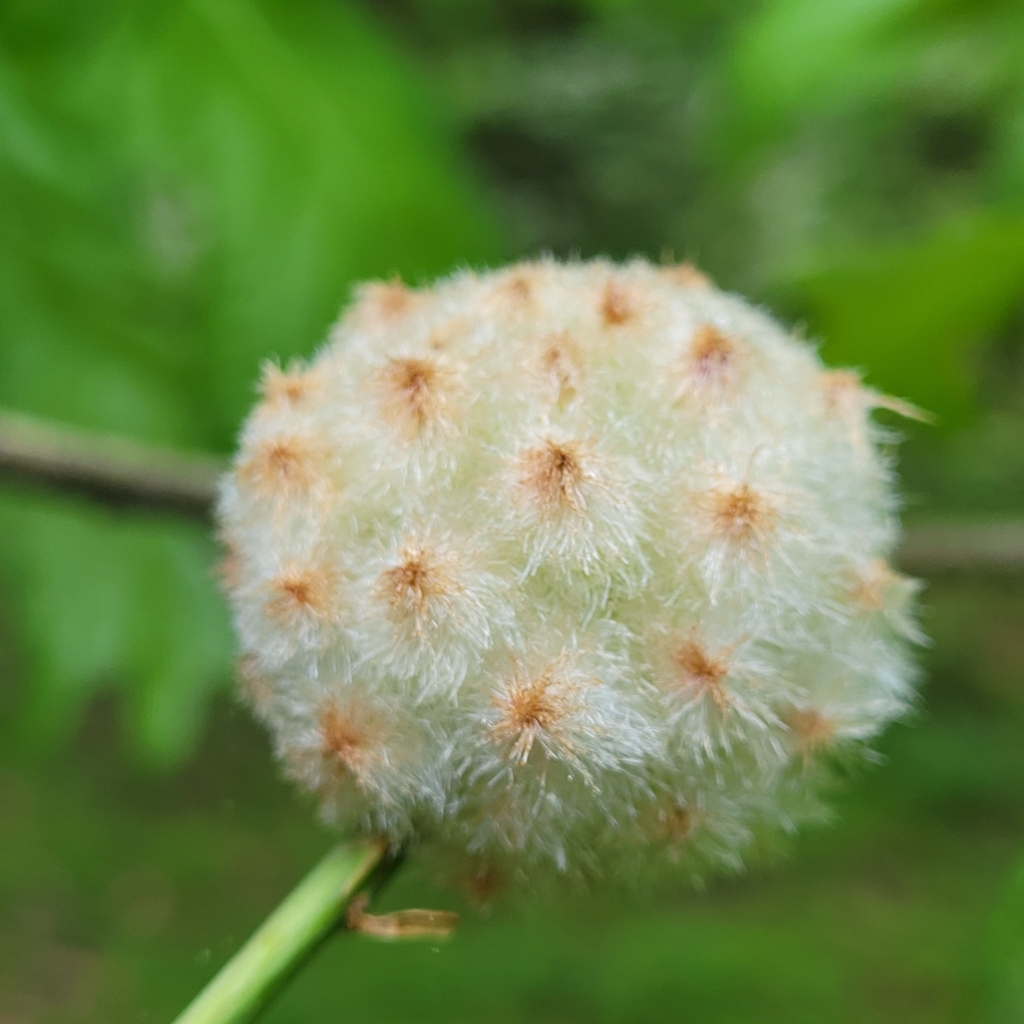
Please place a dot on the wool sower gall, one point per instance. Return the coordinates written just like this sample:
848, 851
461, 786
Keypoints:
567, 567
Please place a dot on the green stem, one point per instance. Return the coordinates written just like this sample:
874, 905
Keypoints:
289, 936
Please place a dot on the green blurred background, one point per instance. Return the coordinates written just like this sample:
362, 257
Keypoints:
187, 187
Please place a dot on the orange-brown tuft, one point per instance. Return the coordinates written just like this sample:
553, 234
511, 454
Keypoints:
699, 671
552, 475
228, 571
740, 514
711, 357
415, 393
687, 275
617, 305
811, 730
560, 363
289, 388
254, 686
531, 708
347, 742
387, 300
283, 466
870, 587
302, 592
415, 583
518, 286
672, 823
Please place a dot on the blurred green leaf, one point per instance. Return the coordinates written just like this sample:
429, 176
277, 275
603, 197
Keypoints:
797, 54
798, 60
186, 188
120, 604
911, 315
1005, 973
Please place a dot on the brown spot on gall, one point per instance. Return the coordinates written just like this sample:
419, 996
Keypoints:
415, 584
699, 671
687, 275
518, 286
302, 592
870, 585
228, 571
552, 475
811, 730
415, 393
711, 355
283, 466
616, 305
669, 823
531, 708
740, 514
254, 686
287, 389
389, 300
346, 742
559, 363
674, 824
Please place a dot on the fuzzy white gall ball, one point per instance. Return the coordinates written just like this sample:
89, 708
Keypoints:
579, 565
